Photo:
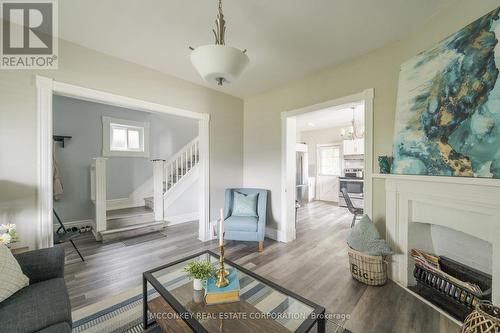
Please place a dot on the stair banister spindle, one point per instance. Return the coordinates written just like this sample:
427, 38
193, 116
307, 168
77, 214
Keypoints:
169, 171
184, 156
176, 170
180, 167
191, 157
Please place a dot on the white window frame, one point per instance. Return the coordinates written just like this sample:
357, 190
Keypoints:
108, 122
319, 167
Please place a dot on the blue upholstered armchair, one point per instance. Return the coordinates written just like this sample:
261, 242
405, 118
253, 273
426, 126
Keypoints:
245, 228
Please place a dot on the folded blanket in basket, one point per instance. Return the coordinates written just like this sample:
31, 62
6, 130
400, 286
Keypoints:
365, 238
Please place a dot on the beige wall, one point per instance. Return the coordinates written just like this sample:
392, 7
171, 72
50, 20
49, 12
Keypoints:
84, 67
378, 70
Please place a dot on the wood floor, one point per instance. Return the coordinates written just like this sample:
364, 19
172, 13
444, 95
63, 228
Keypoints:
315, 266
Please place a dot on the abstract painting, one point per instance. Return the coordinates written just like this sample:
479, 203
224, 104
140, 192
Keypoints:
448, 109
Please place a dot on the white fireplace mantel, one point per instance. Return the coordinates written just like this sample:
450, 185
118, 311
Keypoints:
468, 205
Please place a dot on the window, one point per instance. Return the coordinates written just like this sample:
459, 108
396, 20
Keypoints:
125, 138
329, 160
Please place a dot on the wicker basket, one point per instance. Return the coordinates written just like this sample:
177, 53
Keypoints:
370, 270
484, 319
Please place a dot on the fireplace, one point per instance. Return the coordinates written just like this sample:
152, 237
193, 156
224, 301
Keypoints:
458, 218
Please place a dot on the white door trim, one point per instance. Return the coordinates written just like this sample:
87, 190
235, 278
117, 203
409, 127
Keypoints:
288, 138
46, 88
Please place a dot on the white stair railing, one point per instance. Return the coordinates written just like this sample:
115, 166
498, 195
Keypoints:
181, 164
98, 191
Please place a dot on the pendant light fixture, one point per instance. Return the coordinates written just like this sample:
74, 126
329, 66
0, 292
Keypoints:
219, 63
351, 132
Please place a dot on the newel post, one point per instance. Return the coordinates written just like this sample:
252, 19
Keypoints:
158, 176
99, 193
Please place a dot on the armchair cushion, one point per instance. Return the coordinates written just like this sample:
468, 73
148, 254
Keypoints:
241, 223
245, 204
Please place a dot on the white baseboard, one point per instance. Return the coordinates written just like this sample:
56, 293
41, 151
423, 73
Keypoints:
78, 224
121, 203
183, 218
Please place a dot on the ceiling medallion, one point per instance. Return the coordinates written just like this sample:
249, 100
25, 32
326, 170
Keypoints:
219, 63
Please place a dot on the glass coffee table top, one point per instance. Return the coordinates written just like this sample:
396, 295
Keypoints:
262, 304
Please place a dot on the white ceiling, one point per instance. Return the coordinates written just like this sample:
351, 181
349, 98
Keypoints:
331, 117
286, 39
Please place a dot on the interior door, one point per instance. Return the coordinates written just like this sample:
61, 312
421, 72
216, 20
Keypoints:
328, 188
329, 163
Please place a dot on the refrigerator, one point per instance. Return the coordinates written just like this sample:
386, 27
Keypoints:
302, 178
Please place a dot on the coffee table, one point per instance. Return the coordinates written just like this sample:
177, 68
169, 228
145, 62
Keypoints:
264, 306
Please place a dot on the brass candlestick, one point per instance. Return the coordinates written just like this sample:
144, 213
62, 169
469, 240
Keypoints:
221, 274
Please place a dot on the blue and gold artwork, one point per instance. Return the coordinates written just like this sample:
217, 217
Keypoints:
448, 110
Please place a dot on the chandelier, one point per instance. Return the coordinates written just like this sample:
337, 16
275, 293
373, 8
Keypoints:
352, 132
219, 63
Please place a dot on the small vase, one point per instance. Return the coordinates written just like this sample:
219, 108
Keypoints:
384, 163
197, 284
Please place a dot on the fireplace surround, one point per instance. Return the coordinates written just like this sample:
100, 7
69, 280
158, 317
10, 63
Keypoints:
419, 208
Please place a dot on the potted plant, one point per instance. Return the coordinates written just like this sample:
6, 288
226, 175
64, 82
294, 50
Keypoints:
8, 234
199, 271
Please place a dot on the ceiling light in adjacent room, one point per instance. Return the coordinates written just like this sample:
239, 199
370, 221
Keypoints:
353, 131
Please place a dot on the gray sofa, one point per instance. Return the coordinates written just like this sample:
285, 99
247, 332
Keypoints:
44, 305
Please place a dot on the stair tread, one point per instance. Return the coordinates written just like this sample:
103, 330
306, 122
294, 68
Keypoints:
128, 212
133, 227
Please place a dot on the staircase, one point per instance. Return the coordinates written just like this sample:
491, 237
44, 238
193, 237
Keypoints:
168, 176
177, 169
130, 222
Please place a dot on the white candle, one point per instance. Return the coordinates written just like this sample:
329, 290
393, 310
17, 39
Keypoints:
221, 228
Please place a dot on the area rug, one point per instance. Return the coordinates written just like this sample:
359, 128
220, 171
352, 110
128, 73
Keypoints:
123, 314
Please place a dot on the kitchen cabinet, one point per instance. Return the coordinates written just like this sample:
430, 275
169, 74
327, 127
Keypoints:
354, 147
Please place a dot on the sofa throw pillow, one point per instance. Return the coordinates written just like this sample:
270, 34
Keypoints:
365, 238
12, 278
245, 204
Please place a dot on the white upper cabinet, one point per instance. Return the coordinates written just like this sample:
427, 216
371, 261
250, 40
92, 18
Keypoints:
354, 147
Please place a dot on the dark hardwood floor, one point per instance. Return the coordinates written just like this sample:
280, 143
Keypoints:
315, 266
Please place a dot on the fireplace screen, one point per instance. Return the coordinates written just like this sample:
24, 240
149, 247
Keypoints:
454, 287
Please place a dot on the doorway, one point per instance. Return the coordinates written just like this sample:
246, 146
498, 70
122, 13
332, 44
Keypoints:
46, 89
331, 159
